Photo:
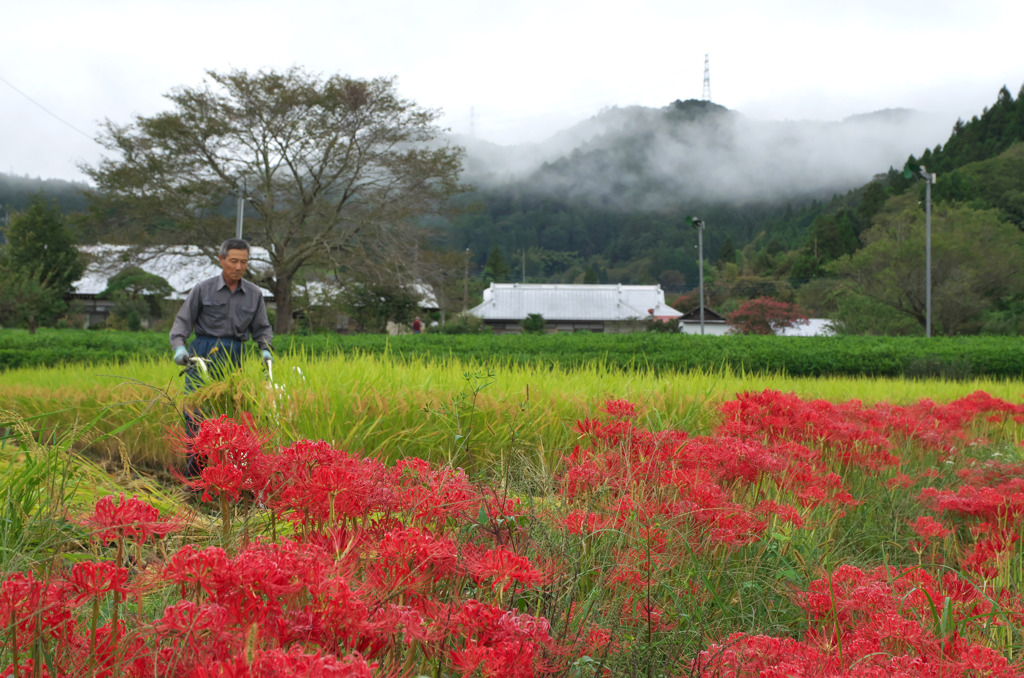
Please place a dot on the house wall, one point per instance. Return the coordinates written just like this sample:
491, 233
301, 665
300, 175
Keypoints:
556, 326
716, 328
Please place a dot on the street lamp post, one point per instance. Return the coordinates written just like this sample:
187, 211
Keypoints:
699, 225
929, 179
465, 284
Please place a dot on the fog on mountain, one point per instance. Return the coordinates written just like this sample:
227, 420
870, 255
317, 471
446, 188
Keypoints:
648, 159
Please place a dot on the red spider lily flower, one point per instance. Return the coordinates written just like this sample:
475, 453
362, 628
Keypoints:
900, 480
984, 502
503, 566
981, 660
597, 642
432, 495
224, 440
486, 623
474, 619
585, 522
191, 567
784, 512
494, 635
191, 633
188, 617
228, 443
28, 669
515, 626
132, 519
222, 479
990, 555
415, 626
411, 560
928, 527
342, 616
503, 660
90, 579
35, 609
620, 409
276, 572
318, 485
113, 654
291, 663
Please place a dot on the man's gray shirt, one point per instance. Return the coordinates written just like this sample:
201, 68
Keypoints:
215, 311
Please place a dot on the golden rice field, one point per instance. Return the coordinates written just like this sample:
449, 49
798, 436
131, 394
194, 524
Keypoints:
470, 413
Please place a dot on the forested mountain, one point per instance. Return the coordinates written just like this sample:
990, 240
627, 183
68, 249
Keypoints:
863, 258
973, 168
608, 196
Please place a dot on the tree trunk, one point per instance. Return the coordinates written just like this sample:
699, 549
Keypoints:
282, 289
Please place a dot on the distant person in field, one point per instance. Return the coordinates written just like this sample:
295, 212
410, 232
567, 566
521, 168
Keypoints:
417, 325
224, 311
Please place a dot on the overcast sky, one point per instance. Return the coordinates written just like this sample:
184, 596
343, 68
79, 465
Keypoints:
509, 71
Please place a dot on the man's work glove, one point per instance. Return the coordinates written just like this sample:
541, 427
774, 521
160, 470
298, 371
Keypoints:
266, 356
181, 355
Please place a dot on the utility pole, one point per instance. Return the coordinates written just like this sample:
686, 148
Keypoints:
699, 225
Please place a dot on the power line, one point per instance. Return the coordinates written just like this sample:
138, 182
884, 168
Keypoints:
45, 109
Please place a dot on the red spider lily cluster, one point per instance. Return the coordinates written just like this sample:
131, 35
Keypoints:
880, 623
413, 569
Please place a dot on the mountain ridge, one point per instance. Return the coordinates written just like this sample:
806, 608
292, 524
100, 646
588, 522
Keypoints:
649, 158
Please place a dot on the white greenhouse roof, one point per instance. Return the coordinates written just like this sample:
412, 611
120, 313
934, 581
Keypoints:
515, 301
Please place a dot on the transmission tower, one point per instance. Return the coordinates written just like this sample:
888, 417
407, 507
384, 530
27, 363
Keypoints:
706, 92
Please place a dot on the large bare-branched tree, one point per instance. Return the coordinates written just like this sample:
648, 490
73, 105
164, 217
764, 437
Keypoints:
333, 170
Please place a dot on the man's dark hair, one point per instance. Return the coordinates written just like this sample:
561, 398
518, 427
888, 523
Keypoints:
232, 244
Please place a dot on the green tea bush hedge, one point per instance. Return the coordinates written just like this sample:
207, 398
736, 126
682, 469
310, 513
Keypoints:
953, 358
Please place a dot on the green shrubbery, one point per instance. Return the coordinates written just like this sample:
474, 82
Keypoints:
954, 358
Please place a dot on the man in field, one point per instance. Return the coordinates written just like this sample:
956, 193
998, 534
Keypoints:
224, 311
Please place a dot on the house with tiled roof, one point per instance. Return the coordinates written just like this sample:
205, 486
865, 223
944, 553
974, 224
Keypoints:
572, 308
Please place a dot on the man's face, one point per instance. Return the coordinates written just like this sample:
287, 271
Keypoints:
234, 265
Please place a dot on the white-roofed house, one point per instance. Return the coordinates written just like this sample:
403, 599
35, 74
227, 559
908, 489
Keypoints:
182, 267
569, 308
714, 323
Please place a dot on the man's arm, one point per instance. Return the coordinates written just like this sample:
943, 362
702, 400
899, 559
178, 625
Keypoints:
262, 332
185, 320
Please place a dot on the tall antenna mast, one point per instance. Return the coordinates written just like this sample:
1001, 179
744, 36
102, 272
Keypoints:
706, 93
472, 121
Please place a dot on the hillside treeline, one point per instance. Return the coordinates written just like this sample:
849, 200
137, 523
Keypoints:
16, 193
